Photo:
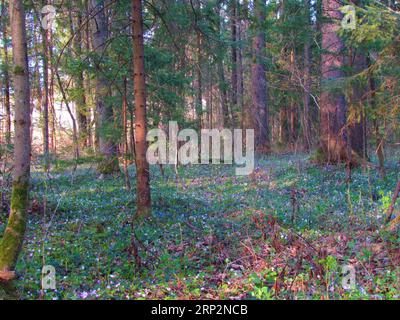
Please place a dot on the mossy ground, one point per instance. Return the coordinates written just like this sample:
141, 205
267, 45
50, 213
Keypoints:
283, 232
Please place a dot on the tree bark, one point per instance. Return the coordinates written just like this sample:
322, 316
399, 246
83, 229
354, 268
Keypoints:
222, 86
10, 245
46, 98
357, 127
199, 82
7, 104
293, 110
142, 166
107, 146
125, 129
259, 84
240, 81
333, 137
80, 100
307, 80
234, 58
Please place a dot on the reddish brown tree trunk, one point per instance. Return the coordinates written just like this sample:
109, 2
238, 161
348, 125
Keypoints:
139, 78
333, 137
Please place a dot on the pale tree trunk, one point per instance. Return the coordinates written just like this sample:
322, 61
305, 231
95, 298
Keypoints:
142, 166
108, 148
7, 104
11, 243
333, 137
259, 83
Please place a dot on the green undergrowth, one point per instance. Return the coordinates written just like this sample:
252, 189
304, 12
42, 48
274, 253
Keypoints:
282, 233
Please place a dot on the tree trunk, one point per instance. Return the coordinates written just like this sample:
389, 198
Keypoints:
378, 136
240, 81
10, 245
242, 37
333, 105
293, 111
80, 101
357, 136
223, 94
125, 129
357, 127
139, 77
283, 125
46, 98
87, 84
107, 146
199, 84
234, 75
307, 81
52, 110
7, 104
222, 86
259, 83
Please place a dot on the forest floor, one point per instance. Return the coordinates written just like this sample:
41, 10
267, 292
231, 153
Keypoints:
283, 233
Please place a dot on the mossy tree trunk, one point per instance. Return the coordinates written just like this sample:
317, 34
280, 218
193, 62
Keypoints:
11, 242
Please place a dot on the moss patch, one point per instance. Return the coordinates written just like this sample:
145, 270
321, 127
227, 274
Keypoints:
14, 233
19, 71
108, 166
